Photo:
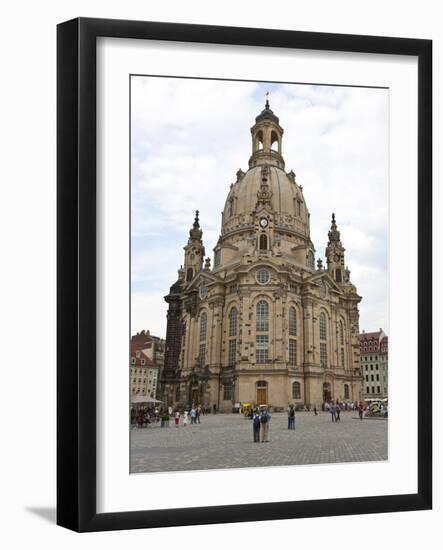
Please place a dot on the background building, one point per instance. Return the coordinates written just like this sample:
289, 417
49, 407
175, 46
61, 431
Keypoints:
265, 324
144, 371
153, 348
374, 363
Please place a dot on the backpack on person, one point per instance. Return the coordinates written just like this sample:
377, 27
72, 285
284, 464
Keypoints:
292, 412
264, 418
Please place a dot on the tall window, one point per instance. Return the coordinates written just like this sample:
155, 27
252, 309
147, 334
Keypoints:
296, 394
261, 348
232, 352
232, 332
262, 316
323, 345
217, 257
292, 334
233, 322
263, 242
293, 352
292, 321
262, 325
342, 342
227, 392
346, 391
311, 260
323, 332
203, 332
189, 274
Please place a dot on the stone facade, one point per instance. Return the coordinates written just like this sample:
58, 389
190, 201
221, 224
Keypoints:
265, 324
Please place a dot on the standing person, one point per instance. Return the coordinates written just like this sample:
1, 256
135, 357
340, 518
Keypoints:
265, 418
256, 427
198, 413
360, 411
185, 419
193, 413
291, 418
332, 411
337, 413
177, 419
315, 411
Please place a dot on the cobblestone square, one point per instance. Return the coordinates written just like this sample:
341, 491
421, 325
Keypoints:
226, 441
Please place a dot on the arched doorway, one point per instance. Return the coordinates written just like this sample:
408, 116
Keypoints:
261, 392
327, 396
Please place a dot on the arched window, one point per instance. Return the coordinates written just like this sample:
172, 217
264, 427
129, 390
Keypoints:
274, 139
232, 342
233, 322
323, 332
177, 393
259, 141
311, 260
292, 333
323, 344
338, 275
217, 257
346, 391
203, 332
203, 326
342, 335
296, 394
263, 242
262, 316
262, 325
292, 321
189, 274
231, 207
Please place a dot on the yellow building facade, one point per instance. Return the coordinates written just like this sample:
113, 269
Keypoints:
265, 324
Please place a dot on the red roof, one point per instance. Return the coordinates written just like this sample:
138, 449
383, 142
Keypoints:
148, 361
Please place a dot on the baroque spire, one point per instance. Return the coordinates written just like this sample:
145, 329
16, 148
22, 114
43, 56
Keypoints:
334, 233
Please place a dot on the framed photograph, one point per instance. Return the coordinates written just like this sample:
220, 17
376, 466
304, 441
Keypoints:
244, 274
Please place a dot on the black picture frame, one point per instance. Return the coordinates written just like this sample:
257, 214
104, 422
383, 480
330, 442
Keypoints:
76, 279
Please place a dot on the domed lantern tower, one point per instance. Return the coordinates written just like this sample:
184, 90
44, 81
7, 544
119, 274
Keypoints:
267, 137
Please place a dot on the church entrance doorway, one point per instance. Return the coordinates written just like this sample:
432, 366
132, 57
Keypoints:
195, 396
262, 392
327, 396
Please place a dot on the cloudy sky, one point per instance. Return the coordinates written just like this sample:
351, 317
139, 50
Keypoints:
189, 138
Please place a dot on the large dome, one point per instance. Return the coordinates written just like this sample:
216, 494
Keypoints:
286, 200
265, 213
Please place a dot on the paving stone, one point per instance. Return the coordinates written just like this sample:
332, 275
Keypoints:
225, 441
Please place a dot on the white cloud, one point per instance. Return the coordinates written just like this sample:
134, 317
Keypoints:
191, 136
148, 312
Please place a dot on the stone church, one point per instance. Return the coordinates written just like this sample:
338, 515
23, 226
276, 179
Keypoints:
265, 324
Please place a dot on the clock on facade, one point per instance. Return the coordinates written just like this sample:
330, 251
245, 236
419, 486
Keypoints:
336, 258
264, 222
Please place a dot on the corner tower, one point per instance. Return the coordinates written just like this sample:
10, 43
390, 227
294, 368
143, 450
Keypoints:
335, 254
194, 251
